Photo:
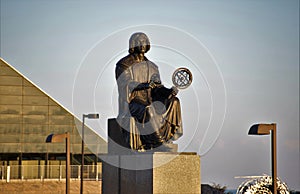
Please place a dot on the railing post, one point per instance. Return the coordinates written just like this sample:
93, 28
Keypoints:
59, 172
7, 173
78, 171
88, 171
2, 172
42, 171
97, 173
22, 173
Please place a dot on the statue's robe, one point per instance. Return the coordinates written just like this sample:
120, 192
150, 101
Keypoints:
149, 117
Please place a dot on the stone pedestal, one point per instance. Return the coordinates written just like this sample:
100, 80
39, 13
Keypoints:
162, 170
147, 173
180, 175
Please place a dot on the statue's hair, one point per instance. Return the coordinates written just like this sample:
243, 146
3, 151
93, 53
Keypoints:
133, 39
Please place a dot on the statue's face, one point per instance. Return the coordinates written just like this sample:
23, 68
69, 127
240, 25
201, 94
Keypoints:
141, 45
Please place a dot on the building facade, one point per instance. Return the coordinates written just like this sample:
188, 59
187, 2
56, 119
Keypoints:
28, 115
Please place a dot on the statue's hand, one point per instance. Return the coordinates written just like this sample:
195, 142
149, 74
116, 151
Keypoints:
152, 84
174, 91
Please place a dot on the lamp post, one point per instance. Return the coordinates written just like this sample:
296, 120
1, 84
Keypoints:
59, 138
266, 129
89, 116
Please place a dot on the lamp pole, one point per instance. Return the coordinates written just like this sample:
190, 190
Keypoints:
82, 156
274, 159
68, 169
89, 116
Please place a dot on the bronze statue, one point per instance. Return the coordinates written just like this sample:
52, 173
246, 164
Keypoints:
149, 113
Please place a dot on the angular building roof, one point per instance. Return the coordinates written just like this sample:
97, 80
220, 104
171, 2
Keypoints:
28, 115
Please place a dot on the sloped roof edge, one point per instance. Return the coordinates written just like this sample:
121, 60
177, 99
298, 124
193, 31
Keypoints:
27, 79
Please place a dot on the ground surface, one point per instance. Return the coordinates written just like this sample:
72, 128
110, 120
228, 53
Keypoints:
48, 187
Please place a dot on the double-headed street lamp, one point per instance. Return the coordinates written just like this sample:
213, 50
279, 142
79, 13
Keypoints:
52, 138
266, 129
89, 116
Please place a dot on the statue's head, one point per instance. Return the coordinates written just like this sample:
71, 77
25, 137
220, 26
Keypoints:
139, 42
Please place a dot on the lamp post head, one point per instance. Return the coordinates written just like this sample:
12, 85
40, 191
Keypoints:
53, 138
49, 138
261, 129
91, 116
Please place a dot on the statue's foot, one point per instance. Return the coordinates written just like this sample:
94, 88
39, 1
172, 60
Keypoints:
141, 149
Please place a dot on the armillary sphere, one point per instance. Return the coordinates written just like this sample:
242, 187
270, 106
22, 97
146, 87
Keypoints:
182, 78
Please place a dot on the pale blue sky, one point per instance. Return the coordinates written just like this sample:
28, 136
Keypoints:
254, 43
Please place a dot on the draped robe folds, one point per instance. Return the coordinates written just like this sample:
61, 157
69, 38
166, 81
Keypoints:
147, 121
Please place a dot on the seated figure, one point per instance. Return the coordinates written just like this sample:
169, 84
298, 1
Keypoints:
149, 113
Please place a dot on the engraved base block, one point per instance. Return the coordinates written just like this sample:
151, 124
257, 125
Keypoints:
147, 173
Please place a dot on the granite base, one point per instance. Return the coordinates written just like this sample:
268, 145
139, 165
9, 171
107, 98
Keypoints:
148, 173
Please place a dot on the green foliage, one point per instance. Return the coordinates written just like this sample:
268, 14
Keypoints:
219, 187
